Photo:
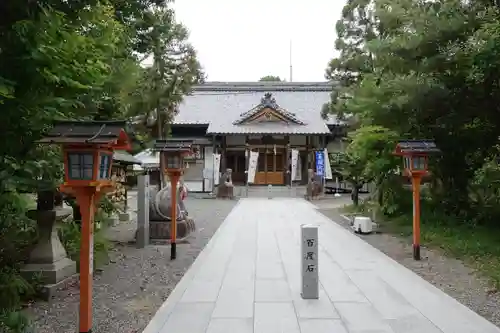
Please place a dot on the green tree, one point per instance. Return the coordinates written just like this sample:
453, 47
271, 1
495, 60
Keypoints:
174, 71
270, 78
71, 60
53, 63
369, 158
425, 70
355, 29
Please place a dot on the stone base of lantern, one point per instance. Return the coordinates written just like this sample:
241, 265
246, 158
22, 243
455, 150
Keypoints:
48, 262
55, 276
159, 231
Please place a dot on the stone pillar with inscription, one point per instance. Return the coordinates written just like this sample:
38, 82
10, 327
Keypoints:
309, 266
142, 211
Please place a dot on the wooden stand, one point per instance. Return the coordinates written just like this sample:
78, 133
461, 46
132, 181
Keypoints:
88, 198
415, 179
174, 179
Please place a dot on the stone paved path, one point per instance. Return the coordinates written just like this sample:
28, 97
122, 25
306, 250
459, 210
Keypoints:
247, 280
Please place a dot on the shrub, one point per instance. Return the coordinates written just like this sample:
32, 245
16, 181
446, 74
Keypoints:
70, 235
17, 236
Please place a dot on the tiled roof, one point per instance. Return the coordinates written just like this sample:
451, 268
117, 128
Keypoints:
417, 146
125, 157
220, 104
96, 132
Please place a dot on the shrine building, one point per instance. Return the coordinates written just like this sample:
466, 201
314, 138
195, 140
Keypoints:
271, 118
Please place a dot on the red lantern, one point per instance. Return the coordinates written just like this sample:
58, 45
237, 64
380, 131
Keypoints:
415, 155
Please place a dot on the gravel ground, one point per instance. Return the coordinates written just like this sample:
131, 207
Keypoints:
129, 290
450, 275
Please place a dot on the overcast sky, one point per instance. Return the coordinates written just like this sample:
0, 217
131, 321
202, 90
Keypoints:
241, 40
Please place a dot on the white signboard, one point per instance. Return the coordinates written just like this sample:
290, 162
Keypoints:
252, 166
216, 168
295, 160
328, 167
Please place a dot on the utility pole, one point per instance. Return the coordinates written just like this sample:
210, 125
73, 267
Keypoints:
159, 73
291, 69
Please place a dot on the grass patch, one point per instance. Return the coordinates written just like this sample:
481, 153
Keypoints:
477, 246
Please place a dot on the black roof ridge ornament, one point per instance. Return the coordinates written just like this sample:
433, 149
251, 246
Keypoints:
97, 134
268, 101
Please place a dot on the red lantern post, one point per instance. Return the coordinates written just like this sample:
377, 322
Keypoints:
172, 152
415, 155
88, 156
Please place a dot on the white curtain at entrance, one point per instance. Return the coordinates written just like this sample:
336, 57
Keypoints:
295, 163
298, 177
252, 166
328, 167
216, 168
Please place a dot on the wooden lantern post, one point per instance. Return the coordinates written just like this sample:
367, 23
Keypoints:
415, 155
88, 156
172, 152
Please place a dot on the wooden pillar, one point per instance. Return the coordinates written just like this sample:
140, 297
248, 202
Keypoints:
125, 185
247, 158
214, 151
287, 170
202, 153
305, 174
223, 161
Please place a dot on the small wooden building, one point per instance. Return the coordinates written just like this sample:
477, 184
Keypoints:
122, 167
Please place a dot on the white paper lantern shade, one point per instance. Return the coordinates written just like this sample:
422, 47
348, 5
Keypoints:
80, 165
174, 161
105, 161
418, 163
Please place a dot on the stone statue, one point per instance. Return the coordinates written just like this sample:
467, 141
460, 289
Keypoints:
314, 185
160, 212
226, 188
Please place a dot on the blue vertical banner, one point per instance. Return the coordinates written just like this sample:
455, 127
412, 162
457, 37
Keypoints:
320, 163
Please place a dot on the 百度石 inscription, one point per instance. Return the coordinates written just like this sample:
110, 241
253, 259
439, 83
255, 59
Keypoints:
309, 271
310, 268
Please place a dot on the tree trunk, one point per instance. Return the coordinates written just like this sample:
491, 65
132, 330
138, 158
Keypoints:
355, 194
